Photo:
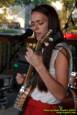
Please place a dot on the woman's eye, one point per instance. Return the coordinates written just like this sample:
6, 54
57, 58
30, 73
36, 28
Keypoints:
41, 23
38, 23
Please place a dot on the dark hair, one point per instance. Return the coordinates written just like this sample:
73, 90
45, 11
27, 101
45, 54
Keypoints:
53, 21
54, 24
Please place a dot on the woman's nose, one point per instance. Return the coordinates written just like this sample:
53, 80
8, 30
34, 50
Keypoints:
36, 27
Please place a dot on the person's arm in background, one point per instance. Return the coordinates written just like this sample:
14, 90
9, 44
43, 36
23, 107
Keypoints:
20, 78
18, 81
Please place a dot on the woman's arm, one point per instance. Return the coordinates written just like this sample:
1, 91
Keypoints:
56, 86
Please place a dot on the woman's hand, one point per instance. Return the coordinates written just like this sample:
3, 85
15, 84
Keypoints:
33, 58
20, 78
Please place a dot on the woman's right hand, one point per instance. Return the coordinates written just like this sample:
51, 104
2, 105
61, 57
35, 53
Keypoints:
20, 78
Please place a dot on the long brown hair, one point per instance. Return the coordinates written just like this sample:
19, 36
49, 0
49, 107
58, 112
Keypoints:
54, 24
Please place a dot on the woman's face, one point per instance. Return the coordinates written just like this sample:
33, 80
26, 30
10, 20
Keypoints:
39, 24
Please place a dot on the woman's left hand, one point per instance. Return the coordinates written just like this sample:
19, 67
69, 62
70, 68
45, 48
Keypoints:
33, 58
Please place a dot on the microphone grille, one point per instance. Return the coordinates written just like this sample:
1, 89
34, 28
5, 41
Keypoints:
28, 32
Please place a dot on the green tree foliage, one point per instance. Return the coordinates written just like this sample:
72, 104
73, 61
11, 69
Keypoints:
32, 1
9, 2
6, 2
40, 1
68, 3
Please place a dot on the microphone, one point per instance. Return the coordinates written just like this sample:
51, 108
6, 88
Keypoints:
28, 32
